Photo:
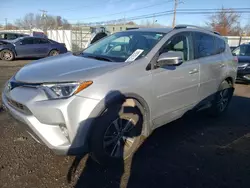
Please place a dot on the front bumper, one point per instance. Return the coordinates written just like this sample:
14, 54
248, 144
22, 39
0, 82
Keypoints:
41, 118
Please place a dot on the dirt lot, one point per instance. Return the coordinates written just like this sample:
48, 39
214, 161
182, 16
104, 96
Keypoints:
195, 151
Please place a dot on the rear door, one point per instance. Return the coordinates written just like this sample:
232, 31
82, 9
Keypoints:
211, 63
42, 46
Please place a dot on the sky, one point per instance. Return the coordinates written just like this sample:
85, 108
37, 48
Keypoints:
103, 10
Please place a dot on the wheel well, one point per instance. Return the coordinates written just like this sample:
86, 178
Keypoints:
143, 107
132, 100
9, 50
53, 49
230, 80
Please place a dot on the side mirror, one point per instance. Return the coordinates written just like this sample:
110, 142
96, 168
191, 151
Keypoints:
171, 58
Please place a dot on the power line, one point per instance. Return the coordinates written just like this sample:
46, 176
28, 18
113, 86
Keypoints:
117, 13
180, 11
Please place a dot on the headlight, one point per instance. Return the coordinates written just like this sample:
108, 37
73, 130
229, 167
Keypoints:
243, 65
65, 90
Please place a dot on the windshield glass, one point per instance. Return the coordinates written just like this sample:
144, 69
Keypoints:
123, 45
243, 50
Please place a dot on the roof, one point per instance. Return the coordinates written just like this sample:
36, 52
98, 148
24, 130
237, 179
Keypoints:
158, 30
13, 33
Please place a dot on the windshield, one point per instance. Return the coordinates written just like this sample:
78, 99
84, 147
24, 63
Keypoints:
243, 50
123, 46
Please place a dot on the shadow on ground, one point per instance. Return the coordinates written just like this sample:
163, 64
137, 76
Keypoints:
194, 151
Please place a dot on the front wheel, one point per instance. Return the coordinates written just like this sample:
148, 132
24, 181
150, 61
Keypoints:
116, 134
7, 55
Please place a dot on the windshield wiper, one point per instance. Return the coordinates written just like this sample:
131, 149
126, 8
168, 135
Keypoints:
98, 57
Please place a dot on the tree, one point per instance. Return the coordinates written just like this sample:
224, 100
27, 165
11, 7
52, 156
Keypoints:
43, 22
226, 22
150, 23
11, 27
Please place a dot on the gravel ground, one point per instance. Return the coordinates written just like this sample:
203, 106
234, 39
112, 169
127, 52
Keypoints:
195, 151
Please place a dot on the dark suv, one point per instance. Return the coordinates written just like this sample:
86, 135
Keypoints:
243, 54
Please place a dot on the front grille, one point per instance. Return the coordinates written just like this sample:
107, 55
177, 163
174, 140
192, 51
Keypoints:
241, 68
18, 106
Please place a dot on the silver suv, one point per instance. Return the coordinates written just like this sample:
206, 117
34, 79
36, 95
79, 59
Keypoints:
121, 88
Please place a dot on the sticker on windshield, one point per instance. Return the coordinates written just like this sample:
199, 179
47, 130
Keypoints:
134, 55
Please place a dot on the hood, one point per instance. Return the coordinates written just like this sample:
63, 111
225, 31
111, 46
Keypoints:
243, 59
64, 68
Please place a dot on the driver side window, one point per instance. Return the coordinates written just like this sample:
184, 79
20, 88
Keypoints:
181, 42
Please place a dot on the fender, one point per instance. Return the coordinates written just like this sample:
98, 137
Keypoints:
111, 98
118, 97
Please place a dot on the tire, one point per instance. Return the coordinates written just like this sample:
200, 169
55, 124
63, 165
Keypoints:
53, 53
111, 140
7, 55
222, 99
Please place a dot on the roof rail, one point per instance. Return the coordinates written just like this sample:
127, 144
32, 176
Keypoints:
193, 26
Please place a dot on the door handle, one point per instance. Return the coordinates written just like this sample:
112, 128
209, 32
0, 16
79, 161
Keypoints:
193, 71
222, 65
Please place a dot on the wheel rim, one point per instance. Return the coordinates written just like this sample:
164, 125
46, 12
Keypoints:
223, 99
7, 55
54, 53
118, 138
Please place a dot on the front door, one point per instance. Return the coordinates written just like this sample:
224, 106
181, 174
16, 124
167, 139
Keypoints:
26, 47
175, 88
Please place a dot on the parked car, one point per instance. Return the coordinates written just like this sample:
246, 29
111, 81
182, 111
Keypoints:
243, 54
30, 47
11, 36
121, 88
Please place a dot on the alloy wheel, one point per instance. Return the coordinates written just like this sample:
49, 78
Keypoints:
118, 137
223, 99
7, 55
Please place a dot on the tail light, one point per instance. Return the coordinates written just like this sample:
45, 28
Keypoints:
235, 59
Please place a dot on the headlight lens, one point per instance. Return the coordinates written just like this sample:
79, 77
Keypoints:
65, 90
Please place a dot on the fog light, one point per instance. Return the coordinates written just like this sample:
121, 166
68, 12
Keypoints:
64, 130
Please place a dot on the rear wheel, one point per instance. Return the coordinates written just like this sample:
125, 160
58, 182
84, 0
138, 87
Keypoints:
116, 134
53, 53
7, 55
222, 99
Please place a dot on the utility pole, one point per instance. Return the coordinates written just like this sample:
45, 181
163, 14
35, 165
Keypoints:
175, 7
153, 20
6, 23
44, 18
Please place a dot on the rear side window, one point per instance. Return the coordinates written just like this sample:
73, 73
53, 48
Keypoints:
44, 41
220, 45
204, 44
36, 41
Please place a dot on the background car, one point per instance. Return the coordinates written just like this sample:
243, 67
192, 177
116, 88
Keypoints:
30, 47
11, 36
243, 54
